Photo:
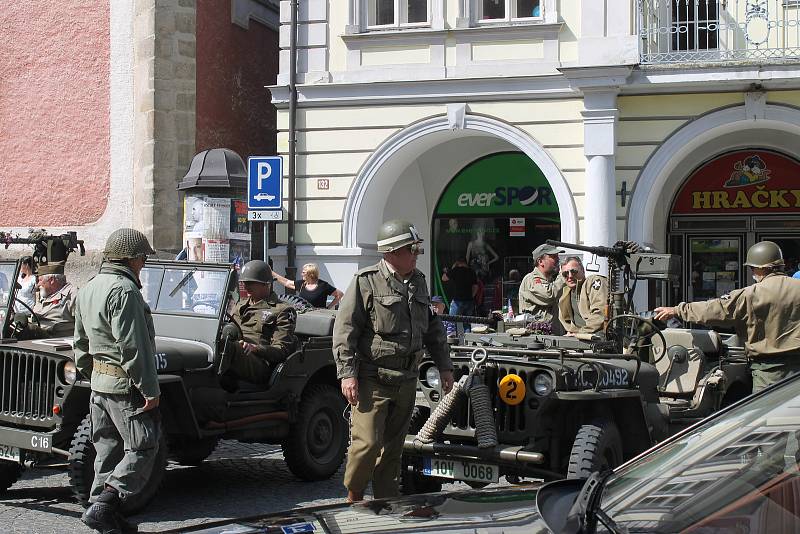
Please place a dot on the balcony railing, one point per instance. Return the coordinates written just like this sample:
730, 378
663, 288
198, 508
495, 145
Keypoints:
701, 31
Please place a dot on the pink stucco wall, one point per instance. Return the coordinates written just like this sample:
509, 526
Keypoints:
54, 112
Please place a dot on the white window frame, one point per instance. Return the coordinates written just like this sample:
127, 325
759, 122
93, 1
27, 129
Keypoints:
400, 10
510, 5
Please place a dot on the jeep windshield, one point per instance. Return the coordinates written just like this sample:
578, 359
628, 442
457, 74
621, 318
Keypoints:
7, 279
193, 289
737, 472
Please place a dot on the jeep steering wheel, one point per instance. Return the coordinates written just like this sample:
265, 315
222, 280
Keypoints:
630, 332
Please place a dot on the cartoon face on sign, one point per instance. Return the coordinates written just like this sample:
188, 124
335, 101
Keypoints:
750, 171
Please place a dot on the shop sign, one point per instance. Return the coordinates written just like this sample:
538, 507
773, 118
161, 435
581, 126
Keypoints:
508, 182
516, 227
742, 182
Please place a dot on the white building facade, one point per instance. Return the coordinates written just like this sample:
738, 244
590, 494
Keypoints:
496, 124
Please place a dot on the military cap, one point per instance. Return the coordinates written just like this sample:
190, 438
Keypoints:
545, 249
54, 267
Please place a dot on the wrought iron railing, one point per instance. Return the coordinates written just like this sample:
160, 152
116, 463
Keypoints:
700, 31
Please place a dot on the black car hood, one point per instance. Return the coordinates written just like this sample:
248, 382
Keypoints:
501, 510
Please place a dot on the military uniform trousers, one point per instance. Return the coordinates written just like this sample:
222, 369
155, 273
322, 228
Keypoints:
126, 440
767, 371
378, 427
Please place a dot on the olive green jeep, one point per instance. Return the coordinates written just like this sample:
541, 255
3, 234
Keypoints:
44, 402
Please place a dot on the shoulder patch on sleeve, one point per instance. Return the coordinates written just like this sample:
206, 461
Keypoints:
597, 284
537, 281
726, 296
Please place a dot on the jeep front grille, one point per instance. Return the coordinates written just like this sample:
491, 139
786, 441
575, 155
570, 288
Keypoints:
509, 420
27, 386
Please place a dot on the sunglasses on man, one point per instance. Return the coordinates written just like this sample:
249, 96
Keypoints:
570, 272
415, 248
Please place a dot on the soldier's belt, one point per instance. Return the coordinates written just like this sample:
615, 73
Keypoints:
108, 369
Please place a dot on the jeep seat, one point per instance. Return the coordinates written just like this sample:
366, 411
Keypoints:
679, 378
315, 323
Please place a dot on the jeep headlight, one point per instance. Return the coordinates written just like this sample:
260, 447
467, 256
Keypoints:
432, 377
543, 384
70, 372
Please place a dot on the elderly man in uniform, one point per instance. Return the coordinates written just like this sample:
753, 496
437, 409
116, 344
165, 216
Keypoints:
115, 346
55, 309
267, 327
583, 301
384, 321
540, 288
766, 315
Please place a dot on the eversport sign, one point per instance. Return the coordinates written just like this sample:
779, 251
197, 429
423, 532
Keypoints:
508, 182
264, 188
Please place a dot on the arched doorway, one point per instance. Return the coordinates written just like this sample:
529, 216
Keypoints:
725, 205
492, 213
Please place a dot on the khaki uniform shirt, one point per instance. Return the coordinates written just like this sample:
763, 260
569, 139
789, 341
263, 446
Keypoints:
382, 320
269, 324
56, 314
766, 315
592, 299
538, 295
113, 324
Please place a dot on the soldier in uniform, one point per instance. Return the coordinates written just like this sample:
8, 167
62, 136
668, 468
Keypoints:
115, 346
766, 315
55, 309
384, 320
581, 307
267, 327
540, 289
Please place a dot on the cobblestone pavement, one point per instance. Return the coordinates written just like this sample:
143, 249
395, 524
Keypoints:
238, 480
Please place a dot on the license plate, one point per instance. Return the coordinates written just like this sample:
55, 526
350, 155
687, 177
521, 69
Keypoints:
460, 470
7, 452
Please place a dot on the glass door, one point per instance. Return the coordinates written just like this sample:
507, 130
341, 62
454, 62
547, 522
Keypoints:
714, 266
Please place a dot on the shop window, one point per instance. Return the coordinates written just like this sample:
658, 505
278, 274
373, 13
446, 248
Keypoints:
695, 25
505, 10
397, 13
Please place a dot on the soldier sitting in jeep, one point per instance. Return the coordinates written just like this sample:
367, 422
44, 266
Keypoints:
53, 315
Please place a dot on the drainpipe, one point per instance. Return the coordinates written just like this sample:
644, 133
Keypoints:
291, 249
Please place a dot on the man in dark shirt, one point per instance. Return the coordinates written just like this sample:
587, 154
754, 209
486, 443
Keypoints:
462, 285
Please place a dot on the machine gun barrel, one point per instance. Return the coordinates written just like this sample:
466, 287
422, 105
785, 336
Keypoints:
598, 250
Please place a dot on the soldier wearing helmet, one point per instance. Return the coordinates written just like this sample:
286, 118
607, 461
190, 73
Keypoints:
267, 327
115, 346
382, 327
766, 315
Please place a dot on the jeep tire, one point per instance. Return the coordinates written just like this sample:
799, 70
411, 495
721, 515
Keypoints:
9, 473
188, 451
412, 481
80, 466
597, 447
317, 441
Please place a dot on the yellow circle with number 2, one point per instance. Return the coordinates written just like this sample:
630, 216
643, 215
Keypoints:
512, 389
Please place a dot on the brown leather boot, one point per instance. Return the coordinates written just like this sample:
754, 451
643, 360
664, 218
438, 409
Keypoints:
355, 496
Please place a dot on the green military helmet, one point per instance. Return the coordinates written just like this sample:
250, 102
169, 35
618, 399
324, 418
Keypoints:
256, 271
396, 234
764, 254
127, 243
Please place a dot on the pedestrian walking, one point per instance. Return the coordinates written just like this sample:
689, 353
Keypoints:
462, 285
115, 346
382, 327
766, 315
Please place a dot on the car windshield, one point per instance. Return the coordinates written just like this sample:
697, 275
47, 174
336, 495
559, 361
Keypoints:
191, 290
735, 473
6, 279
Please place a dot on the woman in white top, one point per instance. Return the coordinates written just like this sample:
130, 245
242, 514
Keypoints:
27, 293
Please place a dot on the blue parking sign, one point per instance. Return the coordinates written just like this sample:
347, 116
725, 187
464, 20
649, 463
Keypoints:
264, 181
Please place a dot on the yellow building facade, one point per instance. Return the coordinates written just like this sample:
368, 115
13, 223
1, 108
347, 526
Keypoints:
494, 125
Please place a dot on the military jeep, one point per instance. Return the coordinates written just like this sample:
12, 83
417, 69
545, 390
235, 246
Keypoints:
44, 403
572, 405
